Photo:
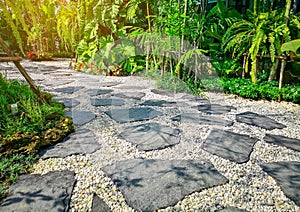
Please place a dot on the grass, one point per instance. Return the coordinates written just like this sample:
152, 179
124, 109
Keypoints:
24, 131
171, 82
11, 167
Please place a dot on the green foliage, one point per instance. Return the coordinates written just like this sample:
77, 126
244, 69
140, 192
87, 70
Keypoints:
23, 132
63, 54
293, 46
262, 34
133, 64
68, 28
10, 21
11, 167
245, 88
171, 82
31, 115
226, 67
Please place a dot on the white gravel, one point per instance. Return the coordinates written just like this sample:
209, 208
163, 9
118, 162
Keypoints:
249, 187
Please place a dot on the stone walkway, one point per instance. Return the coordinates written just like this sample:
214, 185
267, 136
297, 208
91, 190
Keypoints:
138, 148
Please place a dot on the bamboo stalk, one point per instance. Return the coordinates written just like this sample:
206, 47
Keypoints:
162, 73
281, 73
281, 79
10, 59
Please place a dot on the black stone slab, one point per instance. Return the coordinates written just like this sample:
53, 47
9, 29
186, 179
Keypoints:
215, 109
232, 209
95, 92
130, 95
68, 102
258, 121
83, 142
197, 118
228, 145
287, 176
151, 136
290, 143
149, 184
98, 205
107, 102
68, 90
130, 87
163, 92
202, 100
33, 192
81, 117
158, 103
132, 114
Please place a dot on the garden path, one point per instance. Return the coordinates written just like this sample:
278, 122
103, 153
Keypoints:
138, 148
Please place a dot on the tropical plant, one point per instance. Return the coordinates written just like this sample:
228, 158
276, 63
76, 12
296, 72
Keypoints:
33, 23
256, 35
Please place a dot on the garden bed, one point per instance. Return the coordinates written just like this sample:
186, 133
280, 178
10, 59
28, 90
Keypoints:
27, 125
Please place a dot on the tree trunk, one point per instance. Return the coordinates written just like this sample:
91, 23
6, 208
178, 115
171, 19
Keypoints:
148, 17
273, 72
287, 11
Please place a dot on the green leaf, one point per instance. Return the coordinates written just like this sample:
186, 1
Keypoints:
291, 46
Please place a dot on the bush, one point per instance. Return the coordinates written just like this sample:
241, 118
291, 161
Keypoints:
245, 88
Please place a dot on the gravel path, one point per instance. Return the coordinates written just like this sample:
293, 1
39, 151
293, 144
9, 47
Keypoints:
249, 187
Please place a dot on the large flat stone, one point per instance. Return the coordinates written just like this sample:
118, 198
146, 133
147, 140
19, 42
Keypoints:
33, 192
95, 92
163, 92
98, 205
290, 143
131, 87
158, 103
130, 95
82, 141
197, 118
214, 108
202, 100
151, 136
132, 114
68, 102
149, 184
81, 117
287, 176
228, 145
258, 121
107, 102
68, 90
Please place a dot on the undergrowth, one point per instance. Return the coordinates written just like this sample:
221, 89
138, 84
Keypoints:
27, 124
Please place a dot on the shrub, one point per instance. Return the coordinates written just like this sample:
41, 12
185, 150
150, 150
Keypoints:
245, 88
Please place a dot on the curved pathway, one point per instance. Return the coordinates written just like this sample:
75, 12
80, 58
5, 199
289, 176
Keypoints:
138, 148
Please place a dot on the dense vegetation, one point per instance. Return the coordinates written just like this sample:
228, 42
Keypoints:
27, 124
189, 39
